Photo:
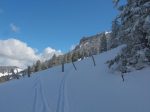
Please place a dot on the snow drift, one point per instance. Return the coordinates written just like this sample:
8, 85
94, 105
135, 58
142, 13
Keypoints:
89, 89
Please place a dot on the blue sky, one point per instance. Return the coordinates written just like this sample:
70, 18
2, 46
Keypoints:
54, 23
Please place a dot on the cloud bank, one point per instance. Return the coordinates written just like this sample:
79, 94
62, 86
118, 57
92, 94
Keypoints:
17, 53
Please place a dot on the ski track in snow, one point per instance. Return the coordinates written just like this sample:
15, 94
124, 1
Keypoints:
62, 103
40, 102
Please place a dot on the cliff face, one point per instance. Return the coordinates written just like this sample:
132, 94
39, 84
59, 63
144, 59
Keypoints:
94, 44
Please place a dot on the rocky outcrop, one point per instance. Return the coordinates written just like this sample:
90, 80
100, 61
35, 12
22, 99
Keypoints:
94, 44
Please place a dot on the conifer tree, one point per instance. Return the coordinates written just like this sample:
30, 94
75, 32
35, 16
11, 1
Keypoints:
134, 31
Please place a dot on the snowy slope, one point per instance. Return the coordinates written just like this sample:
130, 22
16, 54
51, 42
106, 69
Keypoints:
89, 89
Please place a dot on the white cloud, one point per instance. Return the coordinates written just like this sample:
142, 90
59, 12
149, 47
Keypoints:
48, 53
14, 28
17, 53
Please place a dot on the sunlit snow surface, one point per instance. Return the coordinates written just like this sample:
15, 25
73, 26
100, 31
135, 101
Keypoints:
89, 89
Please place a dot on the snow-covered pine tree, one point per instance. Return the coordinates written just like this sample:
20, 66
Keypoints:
132, 27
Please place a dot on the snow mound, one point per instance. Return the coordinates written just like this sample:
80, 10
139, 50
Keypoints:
88, 89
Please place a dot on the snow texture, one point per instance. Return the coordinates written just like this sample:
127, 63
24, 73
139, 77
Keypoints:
89, 89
